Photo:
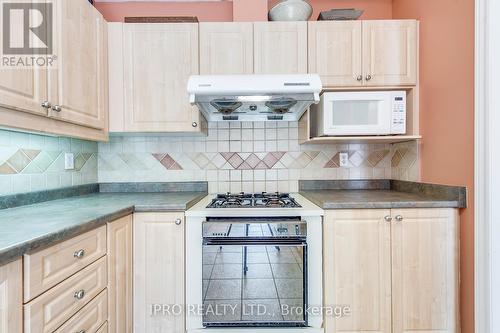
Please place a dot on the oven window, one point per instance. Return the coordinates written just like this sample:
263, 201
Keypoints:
254, 285
352, 113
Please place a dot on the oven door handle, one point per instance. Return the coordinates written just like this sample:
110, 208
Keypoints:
244, 241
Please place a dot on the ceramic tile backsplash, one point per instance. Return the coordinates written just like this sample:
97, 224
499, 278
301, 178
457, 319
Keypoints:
405, 161
30, 162
252, 157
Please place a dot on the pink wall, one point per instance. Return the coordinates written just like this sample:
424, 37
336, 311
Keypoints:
373, 9
447, 113
223, 11
205, 11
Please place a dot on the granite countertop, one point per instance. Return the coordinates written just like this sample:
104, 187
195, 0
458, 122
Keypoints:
27, 228
365, 199
366, 194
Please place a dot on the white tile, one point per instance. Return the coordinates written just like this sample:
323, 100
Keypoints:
235, 187
223, 187
293, 145
247, 134
259, 175
222, 124
282, 124
259, 187
259, 124
247, 146
212, 124
5, 184
282, 145
247, 175
259, 146
235, 175
234, 124
283, 186
246, 124
235, 146
293, 186
271, 186
211, 146
212, 175
213, 187
212, 134
271, 124
271, 174
283, 174
259, 134
293, 133
223, 135
235, 134
223, 176
247, 187
271, 134
282, 133
223, 146
271, 146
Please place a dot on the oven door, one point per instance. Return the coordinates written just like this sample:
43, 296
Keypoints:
257, 282
357, 113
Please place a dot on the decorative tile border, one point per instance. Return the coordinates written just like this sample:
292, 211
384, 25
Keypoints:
31, 162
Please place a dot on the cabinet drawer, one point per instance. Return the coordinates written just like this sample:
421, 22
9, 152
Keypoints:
46, 268
51, 309
90, 318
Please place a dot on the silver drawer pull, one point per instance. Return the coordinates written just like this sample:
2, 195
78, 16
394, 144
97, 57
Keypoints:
399, 218
79, 294
79, 254
178, 221
388, 218
81, 331
56, 108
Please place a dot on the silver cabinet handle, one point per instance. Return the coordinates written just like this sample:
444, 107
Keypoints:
79, 294
399, 218
79, 254
81, 331
368, 77
387, 218
46, 104
359, 78
56, 108
194, 124
178, 221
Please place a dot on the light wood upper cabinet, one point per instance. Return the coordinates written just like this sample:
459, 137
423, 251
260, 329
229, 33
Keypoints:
390, 52
120, 275
11, 302
280, 47
425, 269
158, 270
24, 89
364, 53
158, 60
357, 269
226, 48
78, 86
335, 52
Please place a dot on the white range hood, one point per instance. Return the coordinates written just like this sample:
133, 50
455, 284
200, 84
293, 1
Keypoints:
254, 97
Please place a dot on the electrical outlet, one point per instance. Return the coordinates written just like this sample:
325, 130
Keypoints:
69, 161
343, 159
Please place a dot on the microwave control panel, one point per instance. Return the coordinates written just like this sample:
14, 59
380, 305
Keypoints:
398, 125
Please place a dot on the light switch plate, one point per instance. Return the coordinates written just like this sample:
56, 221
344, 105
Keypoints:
69, 161
344, 159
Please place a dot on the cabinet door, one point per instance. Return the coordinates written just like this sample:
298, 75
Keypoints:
158, 60
23, 89
335, 52
390, 52
78, 87
158, 271
280, 47
11, 302
226, 48
120, 275
425, 271
357, 269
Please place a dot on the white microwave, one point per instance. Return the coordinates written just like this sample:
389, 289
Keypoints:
360, 113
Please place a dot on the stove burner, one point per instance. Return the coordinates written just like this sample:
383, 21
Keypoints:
262, 200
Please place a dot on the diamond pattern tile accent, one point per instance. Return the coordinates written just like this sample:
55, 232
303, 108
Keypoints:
377, 156
270, 160
167, 161
252, 161
235, 161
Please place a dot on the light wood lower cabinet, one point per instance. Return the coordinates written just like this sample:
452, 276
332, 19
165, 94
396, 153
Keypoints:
357, 269
425, 265
396, 269
11, 299
120, 275
158, 271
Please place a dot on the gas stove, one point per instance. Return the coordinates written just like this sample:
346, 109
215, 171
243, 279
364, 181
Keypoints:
257, 200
